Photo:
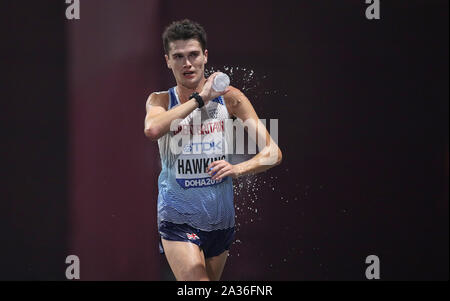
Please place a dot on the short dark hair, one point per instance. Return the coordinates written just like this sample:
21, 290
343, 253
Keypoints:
183, 30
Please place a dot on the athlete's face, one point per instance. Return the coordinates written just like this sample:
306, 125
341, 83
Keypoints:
187, 61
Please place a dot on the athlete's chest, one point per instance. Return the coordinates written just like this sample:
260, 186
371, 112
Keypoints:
208, 120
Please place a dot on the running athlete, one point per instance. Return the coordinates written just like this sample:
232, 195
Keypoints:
195, 199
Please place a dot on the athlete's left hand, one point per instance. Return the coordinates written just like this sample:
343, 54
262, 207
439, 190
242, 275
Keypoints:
221, 168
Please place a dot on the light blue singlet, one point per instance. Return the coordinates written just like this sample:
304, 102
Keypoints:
187, 194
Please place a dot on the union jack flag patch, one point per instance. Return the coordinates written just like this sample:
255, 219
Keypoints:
192, 236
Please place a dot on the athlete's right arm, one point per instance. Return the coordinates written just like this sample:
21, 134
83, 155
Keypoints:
158, 118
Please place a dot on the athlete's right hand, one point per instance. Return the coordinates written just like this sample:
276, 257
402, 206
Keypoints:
208, 93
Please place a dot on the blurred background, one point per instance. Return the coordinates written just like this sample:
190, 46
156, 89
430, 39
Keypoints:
363, 125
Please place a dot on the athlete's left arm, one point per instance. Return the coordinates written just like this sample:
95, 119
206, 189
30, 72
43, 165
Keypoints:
269, 154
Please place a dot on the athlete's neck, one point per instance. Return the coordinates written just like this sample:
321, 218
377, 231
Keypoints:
184, 92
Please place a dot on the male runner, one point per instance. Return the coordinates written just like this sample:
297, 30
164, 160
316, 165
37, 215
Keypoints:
195, 200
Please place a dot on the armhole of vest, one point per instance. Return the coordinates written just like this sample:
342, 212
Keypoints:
173, 98
224, 103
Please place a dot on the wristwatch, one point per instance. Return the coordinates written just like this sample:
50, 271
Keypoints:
198, 99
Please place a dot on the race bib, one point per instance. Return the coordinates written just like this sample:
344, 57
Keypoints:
192, 170
198, 144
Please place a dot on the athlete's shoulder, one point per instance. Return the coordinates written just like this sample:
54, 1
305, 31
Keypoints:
160, 98
235, 96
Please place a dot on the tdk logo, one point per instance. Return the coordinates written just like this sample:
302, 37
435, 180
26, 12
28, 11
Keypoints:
201, 147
